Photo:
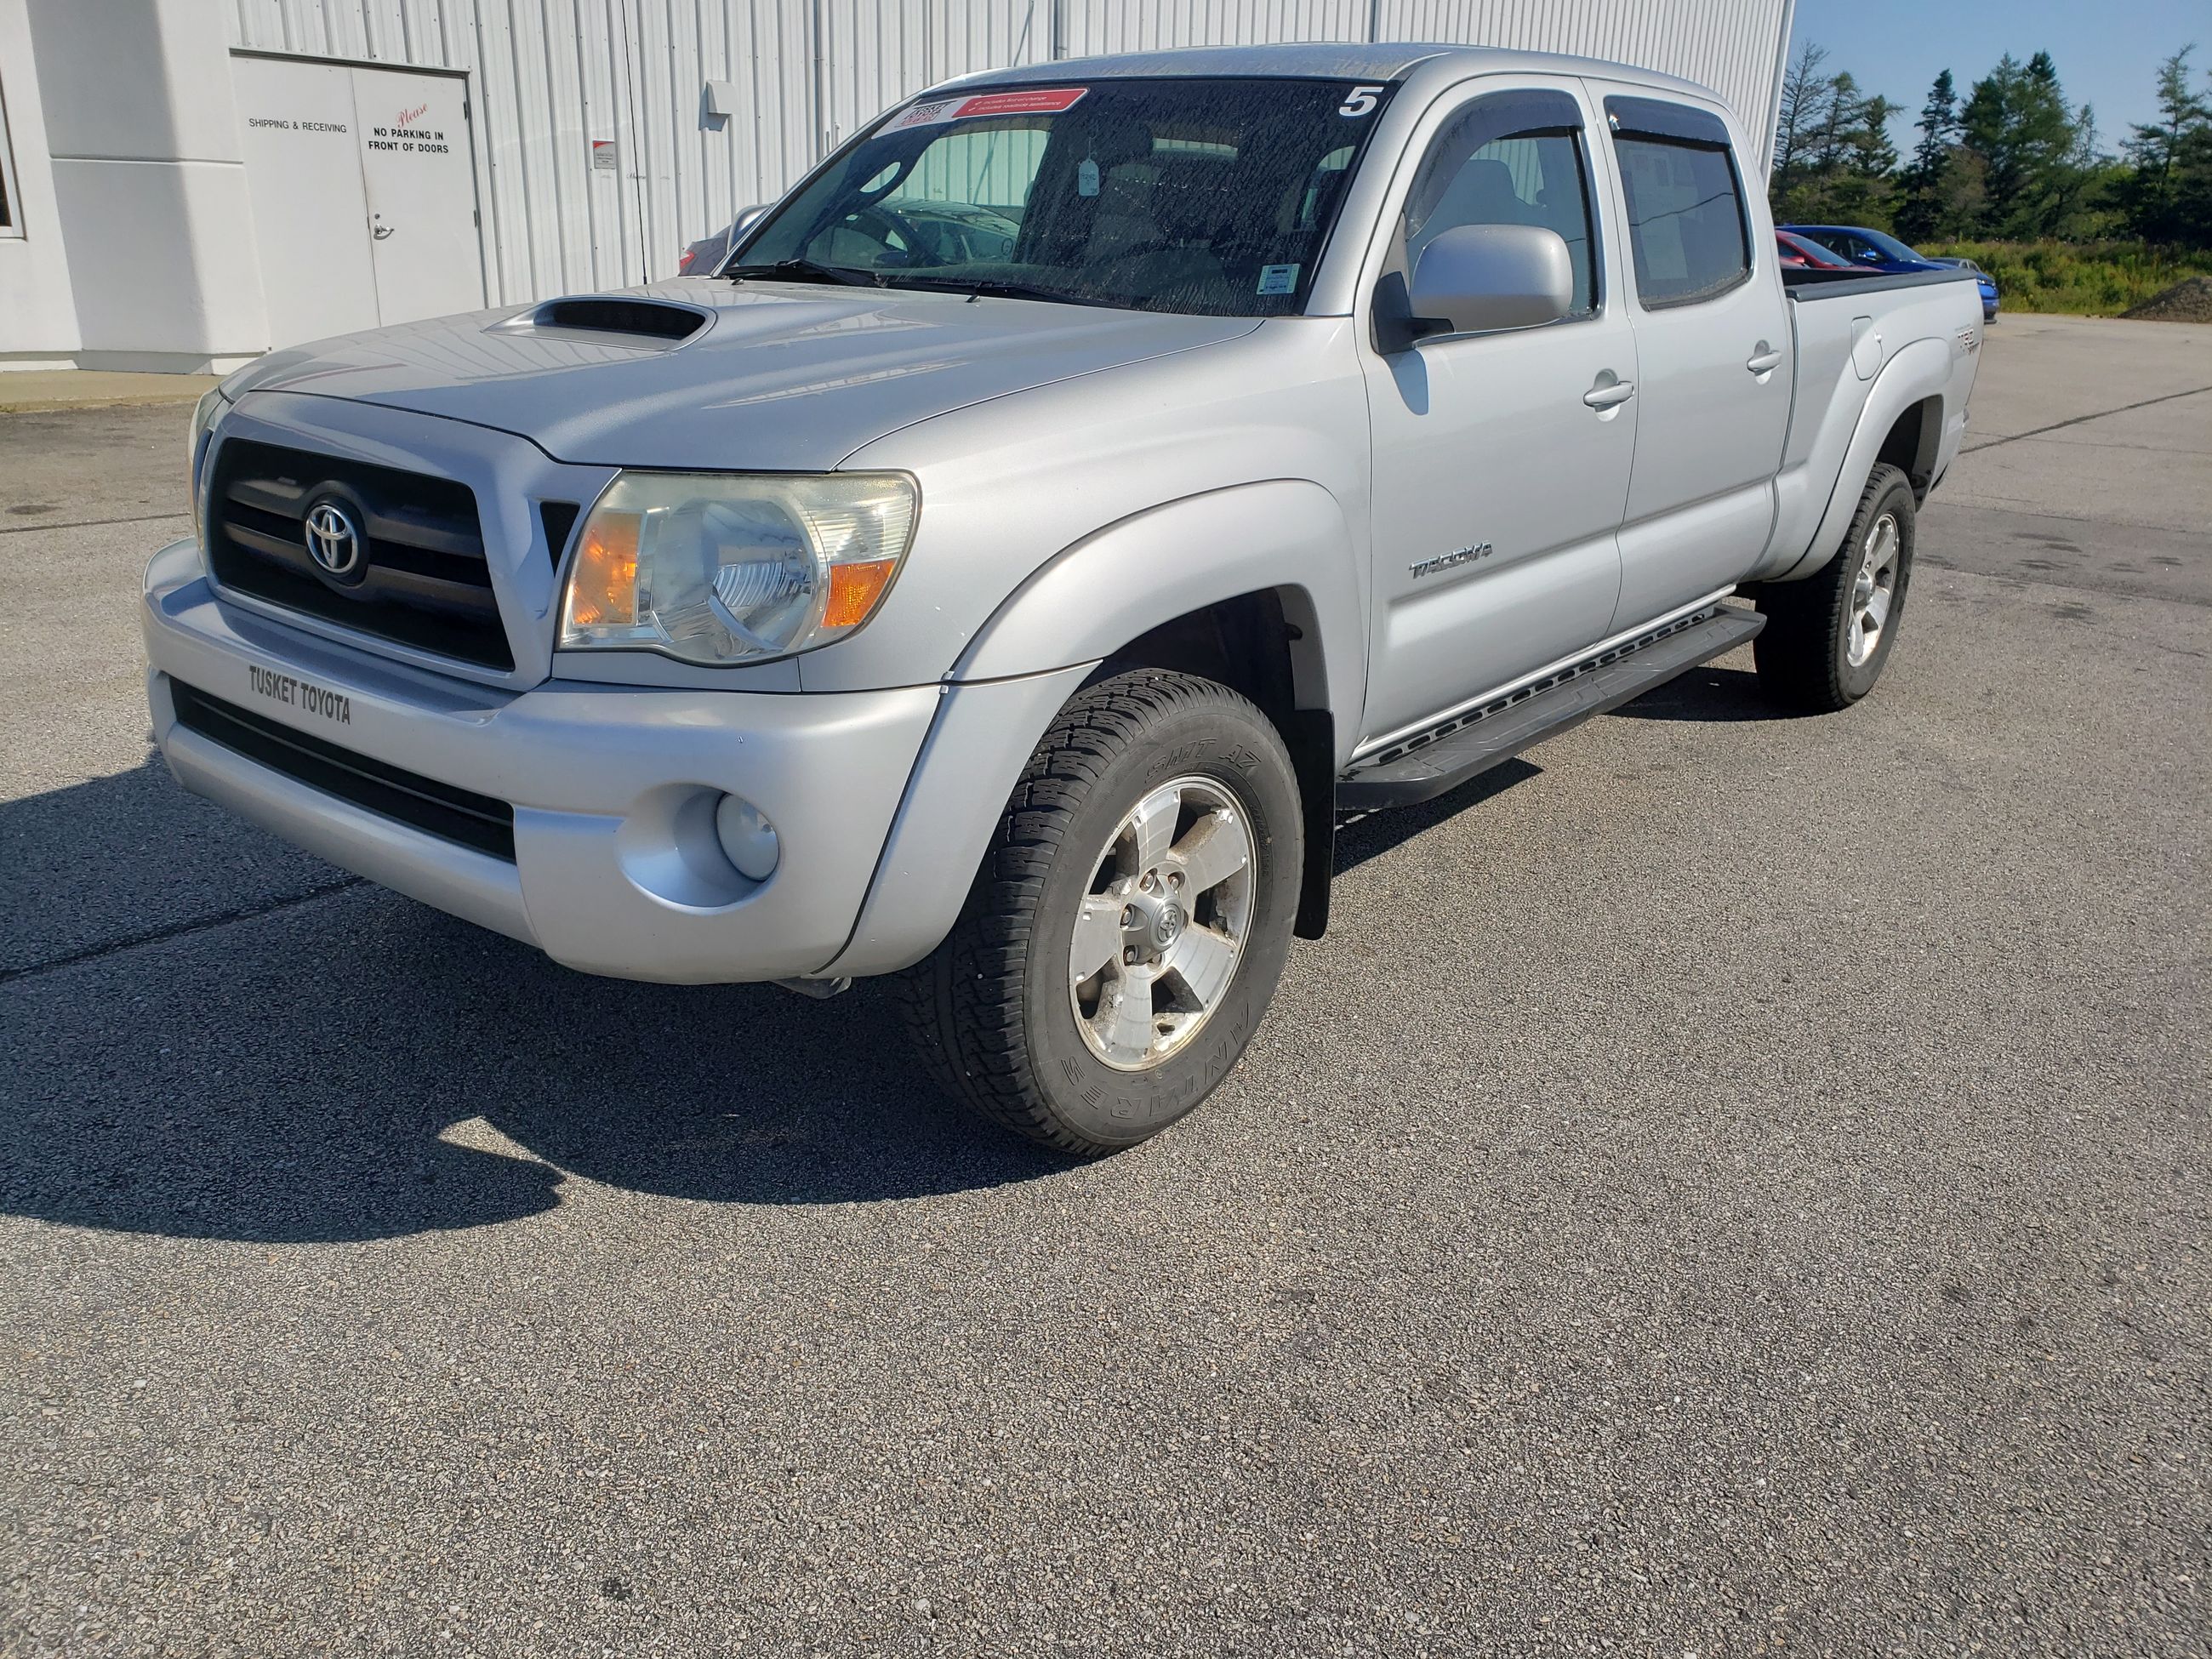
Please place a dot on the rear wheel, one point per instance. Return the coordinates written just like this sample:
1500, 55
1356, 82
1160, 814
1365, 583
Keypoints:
1826, 637
1129, 922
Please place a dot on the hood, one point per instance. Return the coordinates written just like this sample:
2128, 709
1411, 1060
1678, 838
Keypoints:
781, 376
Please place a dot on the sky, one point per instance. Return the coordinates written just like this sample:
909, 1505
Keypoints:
2107, 51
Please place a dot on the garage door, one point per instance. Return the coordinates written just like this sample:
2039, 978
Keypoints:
363, 191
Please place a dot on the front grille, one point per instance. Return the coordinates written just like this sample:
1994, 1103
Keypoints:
437, 809
423, 580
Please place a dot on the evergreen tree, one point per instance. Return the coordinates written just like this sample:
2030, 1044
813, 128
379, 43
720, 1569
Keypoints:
2012, 159
2169, 197
2038, 150
1805, 95
1938, 126
1925, 207
1833, 157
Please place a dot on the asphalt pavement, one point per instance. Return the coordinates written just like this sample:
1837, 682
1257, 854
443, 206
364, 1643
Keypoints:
1727, 1184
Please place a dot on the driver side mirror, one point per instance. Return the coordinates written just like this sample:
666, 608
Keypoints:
747, 219
1476, 279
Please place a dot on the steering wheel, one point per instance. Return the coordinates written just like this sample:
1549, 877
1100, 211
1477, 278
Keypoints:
1138, 249
880, 224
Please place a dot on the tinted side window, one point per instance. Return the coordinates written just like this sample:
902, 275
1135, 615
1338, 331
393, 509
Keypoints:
1686, 220
1524, 178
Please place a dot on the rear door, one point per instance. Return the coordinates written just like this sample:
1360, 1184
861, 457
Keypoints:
1713, 352
1500, 461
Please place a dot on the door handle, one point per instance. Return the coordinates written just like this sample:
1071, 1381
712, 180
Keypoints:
1609, 394
1764, 361
379, 230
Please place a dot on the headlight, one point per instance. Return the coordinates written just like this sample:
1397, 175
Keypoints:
724, 567
205, 413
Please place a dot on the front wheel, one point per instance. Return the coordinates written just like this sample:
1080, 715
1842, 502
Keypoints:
1826, 637
1129, 922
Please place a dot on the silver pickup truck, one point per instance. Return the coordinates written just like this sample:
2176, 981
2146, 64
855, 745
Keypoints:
1082, 491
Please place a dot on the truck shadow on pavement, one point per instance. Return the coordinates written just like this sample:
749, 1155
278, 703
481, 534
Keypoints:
240, 1043
350, 1066
1709, 694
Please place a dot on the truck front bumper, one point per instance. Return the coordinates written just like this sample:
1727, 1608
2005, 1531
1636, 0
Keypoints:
616, 865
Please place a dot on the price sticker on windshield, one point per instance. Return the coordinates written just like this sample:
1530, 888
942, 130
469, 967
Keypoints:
1040, 101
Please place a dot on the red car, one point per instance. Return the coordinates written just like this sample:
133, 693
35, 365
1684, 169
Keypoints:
1804, 253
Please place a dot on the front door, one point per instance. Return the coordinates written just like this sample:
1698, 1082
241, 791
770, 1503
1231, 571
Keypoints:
1714, 346
1500, 461
310, 212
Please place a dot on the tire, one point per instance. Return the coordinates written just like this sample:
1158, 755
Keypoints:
1826, 637
1001, 1011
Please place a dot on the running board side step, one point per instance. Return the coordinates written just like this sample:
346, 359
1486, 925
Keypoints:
1426, 767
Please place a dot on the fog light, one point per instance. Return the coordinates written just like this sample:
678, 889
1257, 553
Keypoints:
747, 838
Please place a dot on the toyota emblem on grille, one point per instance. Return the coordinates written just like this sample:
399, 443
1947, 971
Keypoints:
333, 539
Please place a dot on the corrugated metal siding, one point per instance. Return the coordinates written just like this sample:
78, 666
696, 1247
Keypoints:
1092, 27
550, 79
1734, 46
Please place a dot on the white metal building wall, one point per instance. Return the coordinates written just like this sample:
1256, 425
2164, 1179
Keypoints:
549, 79
1734, 46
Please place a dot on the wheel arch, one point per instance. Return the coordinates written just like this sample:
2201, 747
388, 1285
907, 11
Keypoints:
1265, 645
1902, 424
1283, 541
1254, 585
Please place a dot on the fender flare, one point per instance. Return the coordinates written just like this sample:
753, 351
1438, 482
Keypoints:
1073, 611
1919, 372
1121, 582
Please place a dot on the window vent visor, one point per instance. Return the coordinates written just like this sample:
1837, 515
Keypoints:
1653, 118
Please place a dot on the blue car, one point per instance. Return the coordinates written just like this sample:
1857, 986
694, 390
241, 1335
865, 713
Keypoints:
1989, 285
1875, 250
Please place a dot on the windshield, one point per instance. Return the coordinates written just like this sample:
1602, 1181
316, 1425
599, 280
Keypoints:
1889, 244
1868, 241
1207, 197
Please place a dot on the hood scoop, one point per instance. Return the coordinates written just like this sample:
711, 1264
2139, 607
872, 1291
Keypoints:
612, 318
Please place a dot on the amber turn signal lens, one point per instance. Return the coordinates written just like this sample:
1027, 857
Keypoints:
603, 589
853, 591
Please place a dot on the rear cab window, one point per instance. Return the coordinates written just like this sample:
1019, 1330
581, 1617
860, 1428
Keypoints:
1689, 233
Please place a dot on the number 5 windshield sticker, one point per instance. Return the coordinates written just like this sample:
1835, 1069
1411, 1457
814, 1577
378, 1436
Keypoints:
1359, 101
1041, 101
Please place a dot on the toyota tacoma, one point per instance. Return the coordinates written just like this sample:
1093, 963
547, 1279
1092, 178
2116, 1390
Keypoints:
1080, 493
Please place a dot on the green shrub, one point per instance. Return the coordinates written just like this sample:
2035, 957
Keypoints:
2080, 279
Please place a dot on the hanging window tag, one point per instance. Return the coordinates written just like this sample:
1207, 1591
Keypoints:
1086, 177
1279, 279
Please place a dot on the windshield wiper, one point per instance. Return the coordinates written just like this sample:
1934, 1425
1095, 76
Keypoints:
806, 271
981, 287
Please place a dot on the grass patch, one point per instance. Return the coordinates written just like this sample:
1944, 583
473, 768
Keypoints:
2079, 279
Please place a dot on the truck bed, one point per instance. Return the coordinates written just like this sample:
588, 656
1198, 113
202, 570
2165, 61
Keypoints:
1846, 352
1810, 282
